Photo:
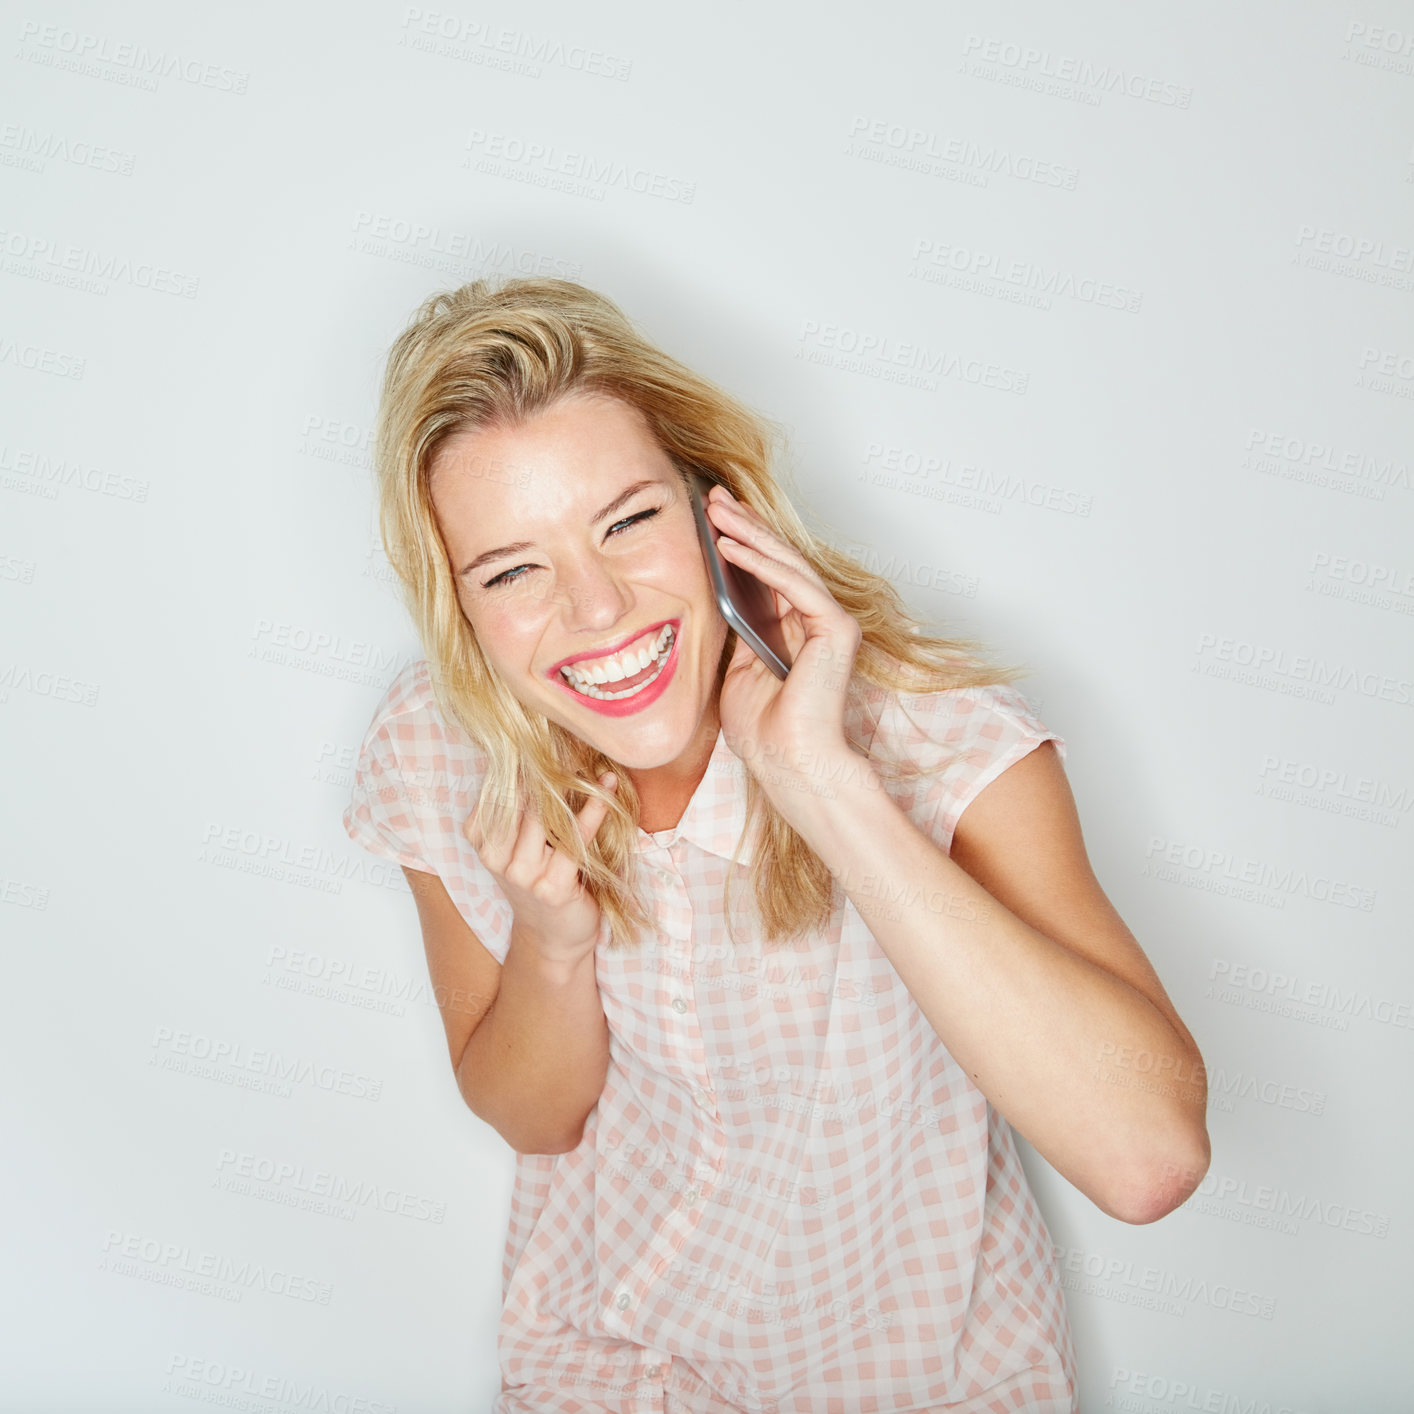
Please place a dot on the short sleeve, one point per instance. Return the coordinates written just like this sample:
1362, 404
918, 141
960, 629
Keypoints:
379, 815
964, 738
415, 782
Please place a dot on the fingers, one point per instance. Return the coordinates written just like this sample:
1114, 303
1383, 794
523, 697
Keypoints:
594, 811
591, 815
528, 848
746, 540
531, 844
498, 851
747, 533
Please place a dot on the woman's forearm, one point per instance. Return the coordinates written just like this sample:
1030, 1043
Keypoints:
535, 1065
1063, 1048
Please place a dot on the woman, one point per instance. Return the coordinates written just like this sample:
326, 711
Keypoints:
764, 1154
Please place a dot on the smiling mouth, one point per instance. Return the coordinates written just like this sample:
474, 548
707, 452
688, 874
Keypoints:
614, 689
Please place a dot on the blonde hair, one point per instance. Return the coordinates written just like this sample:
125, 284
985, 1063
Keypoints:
493, 354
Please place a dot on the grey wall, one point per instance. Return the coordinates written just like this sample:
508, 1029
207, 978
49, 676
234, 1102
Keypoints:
1092, 329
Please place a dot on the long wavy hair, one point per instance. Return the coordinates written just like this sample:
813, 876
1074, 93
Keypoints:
491, 354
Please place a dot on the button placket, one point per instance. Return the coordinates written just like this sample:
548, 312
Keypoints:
682, 1033
679, 985
702, 1095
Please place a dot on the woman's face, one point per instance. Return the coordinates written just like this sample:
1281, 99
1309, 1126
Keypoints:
571, 538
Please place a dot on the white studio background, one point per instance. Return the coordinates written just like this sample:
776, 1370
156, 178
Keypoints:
1093, 330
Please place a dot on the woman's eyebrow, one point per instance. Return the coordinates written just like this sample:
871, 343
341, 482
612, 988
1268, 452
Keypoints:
501, 550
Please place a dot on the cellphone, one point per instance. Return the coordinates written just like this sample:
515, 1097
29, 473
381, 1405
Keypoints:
746, 603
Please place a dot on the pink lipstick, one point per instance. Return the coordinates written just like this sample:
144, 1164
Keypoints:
654, 680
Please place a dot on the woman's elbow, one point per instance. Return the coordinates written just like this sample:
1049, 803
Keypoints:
1163, 1186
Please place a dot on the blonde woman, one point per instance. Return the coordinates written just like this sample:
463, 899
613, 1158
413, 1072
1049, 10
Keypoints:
754, 975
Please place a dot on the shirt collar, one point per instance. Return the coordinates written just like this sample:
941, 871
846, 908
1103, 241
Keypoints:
716, 813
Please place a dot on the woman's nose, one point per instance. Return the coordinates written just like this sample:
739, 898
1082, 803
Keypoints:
590, 595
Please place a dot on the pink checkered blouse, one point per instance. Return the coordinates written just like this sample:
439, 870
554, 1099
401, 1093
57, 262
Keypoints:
790, 1198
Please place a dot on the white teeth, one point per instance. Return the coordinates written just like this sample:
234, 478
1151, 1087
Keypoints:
625, 665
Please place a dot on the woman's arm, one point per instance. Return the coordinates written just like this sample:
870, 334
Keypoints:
536, 1066
1032, 981
1024, 969
528, 1039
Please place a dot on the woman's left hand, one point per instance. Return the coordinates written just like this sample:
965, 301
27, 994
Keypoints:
770, 723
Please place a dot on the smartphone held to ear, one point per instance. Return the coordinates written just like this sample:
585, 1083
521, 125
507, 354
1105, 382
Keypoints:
745, 603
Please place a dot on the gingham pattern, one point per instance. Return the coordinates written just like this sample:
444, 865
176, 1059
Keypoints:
790, 1198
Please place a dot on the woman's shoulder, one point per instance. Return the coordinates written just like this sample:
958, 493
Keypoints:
409, 715
981, 712
417, 778
411, 746
958, 740
409, 694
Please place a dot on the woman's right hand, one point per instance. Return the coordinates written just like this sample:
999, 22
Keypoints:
551, 908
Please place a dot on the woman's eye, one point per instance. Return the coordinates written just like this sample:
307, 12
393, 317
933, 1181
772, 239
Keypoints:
642, 515
514, 575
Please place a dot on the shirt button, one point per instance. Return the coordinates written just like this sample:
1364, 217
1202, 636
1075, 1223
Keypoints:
703, 1099
679, 1005
691, 1196
653, 1371
622, 1302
